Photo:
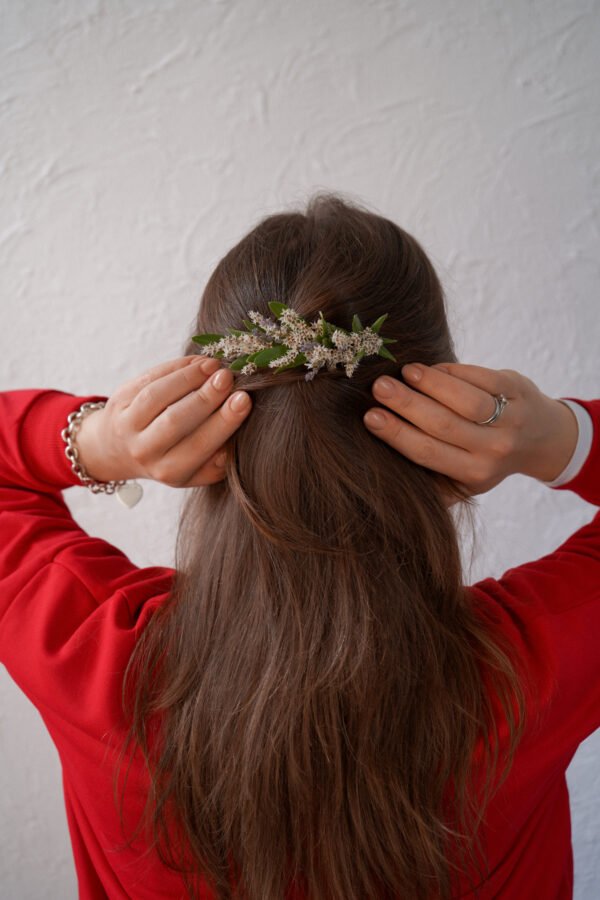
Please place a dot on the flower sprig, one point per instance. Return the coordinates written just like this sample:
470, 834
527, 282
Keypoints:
293, 342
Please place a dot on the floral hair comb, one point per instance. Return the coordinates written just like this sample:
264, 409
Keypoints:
294, 342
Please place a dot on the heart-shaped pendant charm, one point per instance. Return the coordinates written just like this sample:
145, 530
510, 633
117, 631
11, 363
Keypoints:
129, 493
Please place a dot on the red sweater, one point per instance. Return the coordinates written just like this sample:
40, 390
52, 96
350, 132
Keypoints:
72, 606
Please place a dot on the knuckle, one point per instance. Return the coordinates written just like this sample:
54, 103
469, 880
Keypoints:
237, 407
511, 376
154, 470
445, 428
518, 419
399, 396
393, 432
146, 393
482, 471
169, 418
206, 393
503, 443
405, 398
190, 372
427, 452
167, 474
229, 417
202, 447
137, 452
430, 377
120, 428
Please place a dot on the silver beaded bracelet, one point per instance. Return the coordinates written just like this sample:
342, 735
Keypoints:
128, 492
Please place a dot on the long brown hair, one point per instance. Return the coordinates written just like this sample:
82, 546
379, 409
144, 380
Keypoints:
320, 683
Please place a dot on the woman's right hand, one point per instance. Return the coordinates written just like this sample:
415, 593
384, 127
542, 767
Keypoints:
434, 422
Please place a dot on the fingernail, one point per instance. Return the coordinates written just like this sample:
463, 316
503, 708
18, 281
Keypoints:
239, 401
374, 419
221, 379
413, 371
384, 386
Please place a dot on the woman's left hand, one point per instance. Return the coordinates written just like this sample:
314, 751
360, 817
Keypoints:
168, 424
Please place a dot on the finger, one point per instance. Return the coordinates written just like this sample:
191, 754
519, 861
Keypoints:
211, 472
421, 448
206, 475
470, 396
157, 400
126, 392
184, 460
430, 416
492, 381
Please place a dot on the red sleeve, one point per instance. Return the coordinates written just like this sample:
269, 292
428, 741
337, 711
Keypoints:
550, 608
70, 604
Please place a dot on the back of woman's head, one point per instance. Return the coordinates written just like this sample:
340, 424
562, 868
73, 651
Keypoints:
318, 670
303, 463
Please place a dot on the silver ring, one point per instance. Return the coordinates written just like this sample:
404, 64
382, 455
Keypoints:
501, 402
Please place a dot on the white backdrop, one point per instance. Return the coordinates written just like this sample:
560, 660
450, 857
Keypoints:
141, 139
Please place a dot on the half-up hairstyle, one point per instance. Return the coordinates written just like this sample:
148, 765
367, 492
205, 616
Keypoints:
314, 701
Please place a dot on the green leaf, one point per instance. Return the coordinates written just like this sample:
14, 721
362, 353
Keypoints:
249, 324
239, 363
235, 331
298, 361
389, 340
277, 308
356, 325
378, 323
323, 337
264, 357
219, 354
326, 331
383, 351
207, 338
360, 355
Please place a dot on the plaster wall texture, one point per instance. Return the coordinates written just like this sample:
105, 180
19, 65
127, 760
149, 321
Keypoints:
142, 138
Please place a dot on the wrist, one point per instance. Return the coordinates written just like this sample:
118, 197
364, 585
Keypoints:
93, 451
556, 451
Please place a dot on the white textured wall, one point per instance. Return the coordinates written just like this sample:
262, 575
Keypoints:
141, 139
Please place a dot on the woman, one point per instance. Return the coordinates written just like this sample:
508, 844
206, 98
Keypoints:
314, 703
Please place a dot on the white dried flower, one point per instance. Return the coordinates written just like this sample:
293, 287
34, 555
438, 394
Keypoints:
288, 357
261, 320
309, 341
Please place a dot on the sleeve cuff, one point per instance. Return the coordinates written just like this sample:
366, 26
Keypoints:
582, 448
41, 442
